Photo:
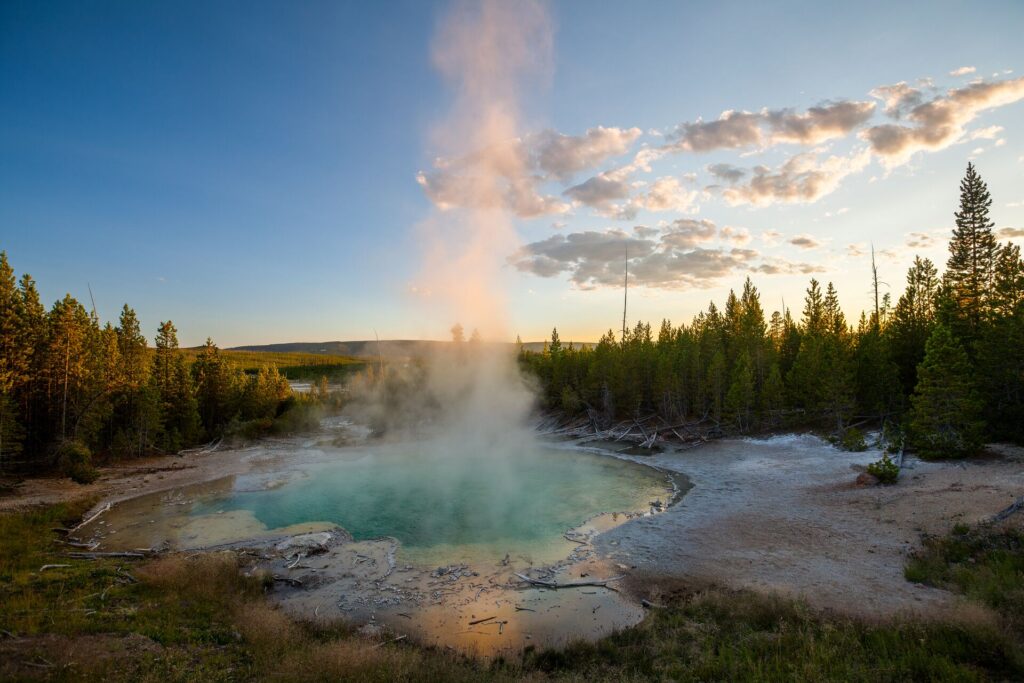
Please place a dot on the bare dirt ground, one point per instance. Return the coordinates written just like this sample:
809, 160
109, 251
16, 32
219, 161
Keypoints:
783, 515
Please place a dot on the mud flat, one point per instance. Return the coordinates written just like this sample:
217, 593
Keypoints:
783, 514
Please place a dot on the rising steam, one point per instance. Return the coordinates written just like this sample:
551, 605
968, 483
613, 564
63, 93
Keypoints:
489, 53
472, 399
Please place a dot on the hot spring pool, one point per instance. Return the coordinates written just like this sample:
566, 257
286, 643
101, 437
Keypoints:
440, 507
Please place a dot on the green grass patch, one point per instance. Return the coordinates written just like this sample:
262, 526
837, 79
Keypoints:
986, 565
724, 636
294, 365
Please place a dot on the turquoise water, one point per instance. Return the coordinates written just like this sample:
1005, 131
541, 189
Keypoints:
456, 506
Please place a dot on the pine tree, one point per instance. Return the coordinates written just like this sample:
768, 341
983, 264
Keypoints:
31, 394
173, 387
716, 383
772, 395
814, 310
739, 401
912, 321
14, 362
971, 264
1000, 350
833, 319
944, 420
68, 368
555, 347
1008, 281
876, 376
217, 385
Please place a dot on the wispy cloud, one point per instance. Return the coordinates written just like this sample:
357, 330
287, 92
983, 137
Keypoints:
739, 129
562, 156
939, 122
737, 236
727, 172
803, 178
804, 241
675, 257
920, 240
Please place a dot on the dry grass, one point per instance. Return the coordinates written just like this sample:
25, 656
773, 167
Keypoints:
200, 618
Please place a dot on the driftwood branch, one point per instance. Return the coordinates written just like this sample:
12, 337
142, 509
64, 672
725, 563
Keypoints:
99, 555
1015, 507
99, 512
571, 584
389, 642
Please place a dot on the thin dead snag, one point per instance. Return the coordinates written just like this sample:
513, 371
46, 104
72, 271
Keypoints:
202, 450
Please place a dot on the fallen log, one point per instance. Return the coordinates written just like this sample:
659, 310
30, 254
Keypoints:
389, 642
480, 621
103, 509
571, 584
1015, 507
53, 566
99, 555
76, 544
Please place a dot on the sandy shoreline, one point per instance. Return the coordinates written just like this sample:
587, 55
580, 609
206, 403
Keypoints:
778, 514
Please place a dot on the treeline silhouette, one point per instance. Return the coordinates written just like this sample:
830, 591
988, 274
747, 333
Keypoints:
945, 364
70, 387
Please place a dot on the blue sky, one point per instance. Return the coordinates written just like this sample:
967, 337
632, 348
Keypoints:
249, 170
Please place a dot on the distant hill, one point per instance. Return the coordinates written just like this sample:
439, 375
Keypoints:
389, 348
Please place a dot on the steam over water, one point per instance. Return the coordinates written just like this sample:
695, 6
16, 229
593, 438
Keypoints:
441, 509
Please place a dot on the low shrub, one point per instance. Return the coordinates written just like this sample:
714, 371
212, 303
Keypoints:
74, 460
853, 440
885, 470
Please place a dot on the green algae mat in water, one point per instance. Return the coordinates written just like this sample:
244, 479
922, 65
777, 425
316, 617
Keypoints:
441, 506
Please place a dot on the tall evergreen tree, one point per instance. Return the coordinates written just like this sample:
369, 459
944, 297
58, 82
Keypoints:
972, 258
217, 386
14, 362
944, 420
912, 321
814, 310
173, 386
740, 399
1000, 350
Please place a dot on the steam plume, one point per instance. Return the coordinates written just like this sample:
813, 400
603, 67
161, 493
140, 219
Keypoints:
488, 54
473, 400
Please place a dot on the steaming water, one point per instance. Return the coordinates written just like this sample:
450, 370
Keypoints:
442, 508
